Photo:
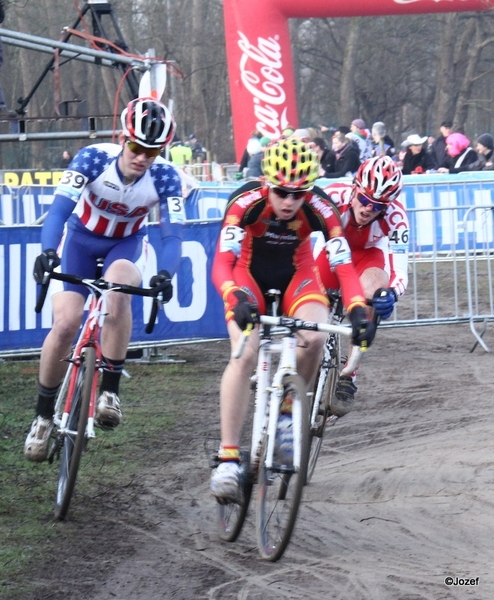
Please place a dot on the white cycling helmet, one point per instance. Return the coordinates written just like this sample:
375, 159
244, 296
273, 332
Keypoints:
380, 179
148, 122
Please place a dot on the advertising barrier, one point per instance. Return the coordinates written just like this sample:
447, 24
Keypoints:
437, 207
195, 311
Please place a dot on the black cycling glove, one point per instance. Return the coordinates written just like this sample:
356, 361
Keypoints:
245, 313
162, 281
45, 263
363, 330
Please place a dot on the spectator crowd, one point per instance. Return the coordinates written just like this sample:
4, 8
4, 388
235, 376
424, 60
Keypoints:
342, 150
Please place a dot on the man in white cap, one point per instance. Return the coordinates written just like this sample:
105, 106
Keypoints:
416, 160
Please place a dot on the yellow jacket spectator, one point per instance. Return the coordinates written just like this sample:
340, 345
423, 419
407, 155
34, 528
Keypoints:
180, 154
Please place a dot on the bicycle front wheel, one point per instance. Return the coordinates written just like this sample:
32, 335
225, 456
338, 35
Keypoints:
324, 389
280, 487
75, 439
231, 515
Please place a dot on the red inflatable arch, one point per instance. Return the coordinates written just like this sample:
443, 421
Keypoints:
259, 53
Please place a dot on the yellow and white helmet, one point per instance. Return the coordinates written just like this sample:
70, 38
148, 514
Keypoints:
290, 163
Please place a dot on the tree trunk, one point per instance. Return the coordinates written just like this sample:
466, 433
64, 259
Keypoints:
444, 98
475, 47
348, 109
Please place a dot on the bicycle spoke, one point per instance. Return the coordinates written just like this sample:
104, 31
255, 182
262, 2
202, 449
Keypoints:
280, 488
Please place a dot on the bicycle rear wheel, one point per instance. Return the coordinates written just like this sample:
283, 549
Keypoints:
231, 515
74, 442
324, 389
280, 488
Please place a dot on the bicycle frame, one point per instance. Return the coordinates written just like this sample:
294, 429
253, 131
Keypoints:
89, 337
332, 341
269, 393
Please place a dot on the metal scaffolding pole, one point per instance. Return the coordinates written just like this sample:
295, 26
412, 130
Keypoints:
20, 39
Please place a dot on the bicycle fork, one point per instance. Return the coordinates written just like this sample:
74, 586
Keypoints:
326, 366
269, 397
71, 382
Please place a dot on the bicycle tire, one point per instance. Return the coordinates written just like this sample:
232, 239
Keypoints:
73, 445
280, 492
329, 373
231, 515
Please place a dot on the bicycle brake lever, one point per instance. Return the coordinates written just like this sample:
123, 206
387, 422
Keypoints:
155, 307
237, 353
353, 360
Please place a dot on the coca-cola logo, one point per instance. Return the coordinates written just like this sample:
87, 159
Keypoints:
265, 83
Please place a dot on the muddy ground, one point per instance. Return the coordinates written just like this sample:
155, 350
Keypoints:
402, 497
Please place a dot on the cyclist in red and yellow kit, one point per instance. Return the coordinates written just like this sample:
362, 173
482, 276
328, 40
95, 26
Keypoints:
265, 243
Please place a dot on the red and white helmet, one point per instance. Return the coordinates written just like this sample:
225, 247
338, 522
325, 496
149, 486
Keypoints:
379, 179
148, 122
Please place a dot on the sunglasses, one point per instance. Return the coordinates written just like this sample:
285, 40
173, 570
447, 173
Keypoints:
296, 194
376, 206
137, 149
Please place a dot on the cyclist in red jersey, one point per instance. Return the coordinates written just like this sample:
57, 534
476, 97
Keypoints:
375, 224
265, 243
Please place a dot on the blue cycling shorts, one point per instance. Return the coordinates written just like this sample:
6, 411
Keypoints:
80, 250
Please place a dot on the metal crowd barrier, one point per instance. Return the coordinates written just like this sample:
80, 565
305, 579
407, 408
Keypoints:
452, 280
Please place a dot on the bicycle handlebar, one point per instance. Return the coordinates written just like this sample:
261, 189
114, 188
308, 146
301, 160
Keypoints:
299, 324
101, 284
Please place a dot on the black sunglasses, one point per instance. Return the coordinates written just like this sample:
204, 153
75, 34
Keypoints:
296, 194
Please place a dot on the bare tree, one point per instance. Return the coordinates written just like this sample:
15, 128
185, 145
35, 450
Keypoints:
348, 109
411, 72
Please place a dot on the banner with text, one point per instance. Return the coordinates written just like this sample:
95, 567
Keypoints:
195, 311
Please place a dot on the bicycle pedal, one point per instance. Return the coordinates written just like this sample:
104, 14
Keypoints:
55, 449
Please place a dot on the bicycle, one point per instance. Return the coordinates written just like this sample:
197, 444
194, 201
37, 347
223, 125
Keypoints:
75, 403
280, 486
325, 384
327, 380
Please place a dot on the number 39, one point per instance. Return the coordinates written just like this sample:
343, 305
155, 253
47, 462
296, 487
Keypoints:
73, 179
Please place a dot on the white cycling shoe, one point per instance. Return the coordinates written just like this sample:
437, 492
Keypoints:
38, 439
225, 481
108, 414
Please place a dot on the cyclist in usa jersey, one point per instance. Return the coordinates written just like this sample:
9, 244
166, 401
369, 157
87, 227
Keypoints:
265, 243
100, 210
376, 227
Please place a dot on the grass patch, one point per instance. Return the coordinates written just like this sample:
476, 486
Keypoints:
152, 401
